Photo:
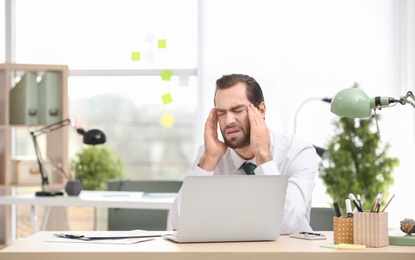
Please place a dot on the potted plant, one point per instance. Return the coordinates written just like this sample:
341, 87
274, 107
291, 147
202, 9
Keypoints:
95, 165
358, 162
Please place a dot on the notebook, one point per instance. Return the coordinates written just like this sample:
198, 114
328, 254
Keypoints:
231, 208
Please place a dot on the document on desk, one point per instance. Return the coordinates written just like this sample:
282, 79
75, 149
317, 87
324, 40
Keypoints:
111, 195
107, 237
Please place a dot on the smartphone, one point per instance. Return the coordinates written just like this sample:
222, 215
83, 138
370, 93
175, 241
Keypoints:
309, 236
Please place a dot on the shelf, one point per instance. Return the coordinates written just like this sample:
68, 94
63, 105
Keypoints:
51, 79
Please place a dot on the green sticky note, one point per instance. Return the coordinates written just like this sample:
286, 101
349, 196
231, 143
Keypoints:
135, 55
162, 44
167, 121
166, 98
166, 74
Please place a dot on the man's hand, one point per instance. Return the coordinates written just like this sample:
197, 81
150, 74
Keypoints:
260, 139
214, 149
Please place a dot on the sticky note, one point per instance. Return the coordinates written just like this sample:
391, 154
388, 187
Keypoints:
183, 81
135, 55
166, 98
162, 44
345, 246
149, 38
167, 121
154, 109
166, 75
149, 56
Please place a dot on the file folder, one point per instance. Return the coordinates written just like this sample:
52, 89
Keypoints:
50, 98
24, 107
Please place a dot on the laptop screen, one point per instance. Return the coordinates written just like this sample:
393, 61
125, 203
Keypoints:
231, 208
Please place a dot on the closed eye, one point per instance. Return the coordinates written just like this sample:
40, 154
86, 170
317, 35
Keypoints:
221, 112
236, 109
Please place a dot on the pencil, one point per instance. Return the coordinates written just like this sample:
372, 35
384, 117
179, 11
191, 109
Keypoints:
387, 203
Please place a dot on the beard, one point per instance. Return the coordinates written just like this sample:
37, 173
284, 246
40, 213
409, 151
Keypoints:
237, 142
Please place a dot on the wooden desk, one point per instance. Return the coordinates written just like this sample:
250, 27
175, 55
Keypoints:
35, 248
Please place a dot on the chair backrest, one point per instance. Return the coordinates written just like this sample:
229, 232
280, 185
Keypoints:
321, 219
145, 219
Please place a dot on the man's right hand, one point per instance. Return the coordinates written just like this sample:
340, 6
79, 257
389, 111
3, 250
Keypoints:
214, 148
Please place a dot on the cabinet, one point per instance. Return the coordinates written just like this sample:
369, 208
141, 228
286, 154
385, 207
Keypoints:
55, 144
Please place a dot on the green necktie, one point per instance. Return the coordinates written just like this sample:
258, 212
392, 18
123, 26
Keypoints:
248, 168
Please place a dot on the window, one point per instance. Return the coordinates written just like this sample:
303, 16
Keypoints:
99, 38
102, 34
131, 111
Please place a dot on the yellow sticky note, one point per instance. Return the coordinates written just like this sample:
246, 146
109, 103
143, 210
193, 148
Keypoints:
345, 246
162, 44
135, 55
167, 121
166, 75
166, 98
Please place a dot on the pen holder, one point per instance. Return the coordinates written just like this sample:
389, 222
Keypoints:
73, 188
371, 229
343, 230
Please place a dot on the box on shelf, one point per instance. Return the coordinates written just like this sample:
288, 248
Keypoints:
26, 171
49, 98
24, 101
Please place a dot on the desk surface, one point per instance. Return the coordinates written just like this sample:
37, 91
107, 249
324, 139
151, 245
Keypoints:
107, 199
35, 248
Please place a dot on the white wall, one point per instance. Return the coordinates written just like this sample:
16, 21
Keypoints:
298, 49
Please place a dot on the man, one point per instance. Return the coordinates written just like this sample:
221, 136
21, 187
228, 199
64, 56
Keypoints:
240, 112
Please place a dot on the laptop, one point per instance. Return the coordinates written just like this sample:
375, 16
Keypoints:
231, 208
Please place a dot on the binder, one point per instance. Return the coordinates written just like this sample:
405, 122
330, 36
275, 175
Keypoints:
49, 98
24, 107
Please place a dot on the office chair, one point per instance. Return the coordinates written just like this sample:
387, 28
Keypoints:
321, 219
145, 219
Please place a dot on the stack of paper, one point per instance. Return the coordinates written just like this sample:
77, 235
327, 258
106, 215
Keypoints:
108, 237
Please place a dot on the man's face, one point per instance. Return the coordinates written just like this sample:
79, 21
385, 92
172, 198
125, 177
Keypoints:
231, 107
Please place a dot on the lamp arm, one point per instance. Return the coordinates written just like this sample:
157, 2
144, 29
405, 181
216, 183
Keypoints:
51, 127
35, 134
409, 98
328, 100
45, 180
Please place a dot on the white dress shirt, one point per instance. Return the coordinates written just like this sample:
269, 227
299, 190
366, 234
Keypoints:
292, 157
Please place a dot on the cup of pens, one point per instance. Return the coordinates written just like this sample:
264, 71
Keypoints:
342, 227
73, 186
342, 230
371, 227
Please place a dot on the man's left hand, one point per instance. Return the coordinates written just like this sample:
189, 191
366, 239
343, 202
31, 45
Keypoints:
260, 139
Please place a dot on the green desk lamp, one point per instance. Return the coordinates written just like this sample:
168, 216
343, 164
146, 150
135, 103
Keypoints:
354, 103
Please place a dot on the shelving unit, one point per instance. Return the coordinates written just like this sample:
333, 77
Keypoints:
56, 142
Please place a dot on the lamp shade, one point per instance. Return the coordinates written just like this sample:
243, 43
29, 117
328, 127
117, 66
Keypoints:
94, 136
351, 102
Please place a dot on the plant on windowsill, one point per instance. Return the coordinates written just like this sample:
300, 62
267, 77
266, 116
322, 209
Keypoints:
95, 166
358, 162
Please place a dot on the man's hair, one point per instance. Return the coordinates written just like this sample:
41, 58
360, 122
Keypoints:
253, 90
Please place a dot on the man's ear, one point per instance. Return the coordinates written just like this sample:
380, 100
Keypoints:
262, 108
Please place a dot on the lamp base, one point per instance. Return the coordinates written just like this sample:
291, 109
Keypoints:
48, 193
